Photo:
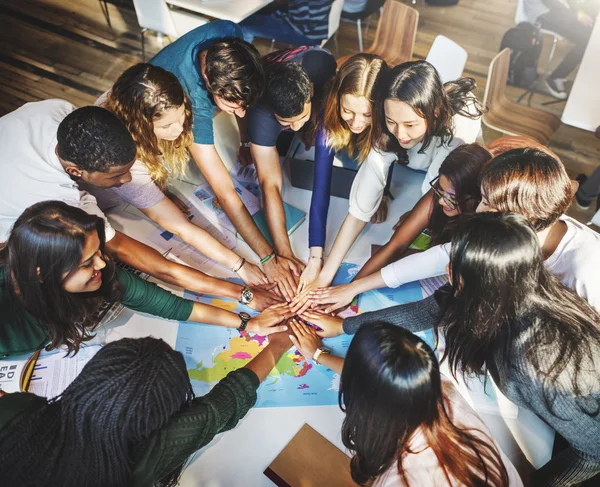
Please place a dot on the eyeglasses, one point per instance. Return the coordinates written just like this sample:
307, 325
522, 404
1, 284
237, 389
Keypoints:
450, 202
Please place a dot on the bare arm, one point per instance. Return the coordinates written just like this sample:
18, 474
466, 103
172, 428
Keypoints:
168, 215
405, 234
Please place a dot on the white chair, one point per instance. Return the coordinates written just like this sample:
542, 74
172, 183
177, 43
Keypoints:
157, 16
521, 16
335, 15
448, 58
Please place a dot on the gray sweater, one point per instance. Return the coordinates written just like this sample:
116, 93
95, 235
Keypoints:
519, 381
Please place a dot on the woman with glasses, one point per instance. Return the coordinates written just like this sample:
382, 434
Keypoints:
453, 192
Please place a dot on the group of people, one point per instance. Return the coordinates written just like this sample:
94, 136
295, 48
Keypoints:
521, 303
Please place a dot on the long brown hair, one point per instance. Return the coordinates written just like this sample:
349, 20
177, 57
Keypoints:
141, 95
46, 243
418, 84
462, 168
391, 388
529, 182
360, 76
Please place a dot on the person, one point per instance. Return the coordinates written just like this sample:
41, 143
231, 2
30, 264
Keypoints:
128, 419
344, 129
525, 181
221, 72
297, 22
418, 121
54, 274
294, 93
505, 313
153, 106
558, 16
406, 424
50, 147
455, 192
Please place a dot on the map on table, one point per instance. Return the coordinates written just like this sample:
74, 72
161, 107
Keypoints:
211, 352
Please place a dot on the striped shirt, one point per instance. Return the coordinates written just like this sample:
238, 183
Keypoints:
308, 17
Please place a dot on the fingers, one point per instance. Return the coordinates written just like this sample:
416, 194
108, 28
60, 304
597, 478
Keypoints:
285, 289
273, 329
294, 341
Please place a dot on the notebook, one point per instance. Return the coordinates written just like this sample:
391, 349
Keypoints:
310, 460
294, 217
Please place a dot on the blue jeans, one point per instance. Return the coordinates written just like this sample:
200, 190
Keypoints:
272, 27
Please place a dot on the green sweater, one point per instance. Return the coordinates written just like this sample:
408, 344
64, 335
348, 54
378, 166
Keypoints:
189, 430
22, 333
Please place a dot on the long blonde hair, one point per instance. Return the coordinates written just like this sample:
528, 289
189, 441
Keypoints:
359, 76
141, 95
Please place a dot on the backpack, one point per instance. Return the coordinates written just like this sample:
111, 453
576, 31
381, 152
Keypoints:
525, 44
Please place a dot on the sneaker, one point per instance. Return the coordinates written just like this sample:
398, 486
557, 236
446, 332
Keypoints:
556, 87
580, 202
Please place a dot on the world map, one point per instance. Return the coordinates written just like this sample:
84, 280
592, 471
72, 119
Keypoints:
211, 352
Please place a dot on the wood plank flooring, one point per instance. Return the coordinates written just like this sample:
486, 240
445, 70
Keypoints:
65, 49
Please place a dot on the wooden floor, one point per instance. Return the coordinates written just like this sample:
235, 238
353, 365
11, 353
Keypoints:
65, 49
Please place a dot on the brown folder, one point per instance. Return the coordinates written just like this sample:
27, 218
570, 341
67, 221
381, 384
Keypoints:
309, 460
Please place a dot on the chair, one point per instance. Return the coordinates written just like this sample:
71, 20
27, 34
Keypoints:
521, 16
157, 16
448, 58
370, 8
335, 15
395, 36
509, 117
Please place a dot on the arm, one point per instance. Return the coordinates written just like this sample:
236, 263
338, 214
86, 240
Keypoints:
306, 340
416, 221
169, 216
319, 207
244, 154
209, 162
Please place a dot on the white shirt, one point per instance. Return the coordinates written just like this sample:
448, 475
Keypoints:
576, 262
30, 169
368, 186
422, 467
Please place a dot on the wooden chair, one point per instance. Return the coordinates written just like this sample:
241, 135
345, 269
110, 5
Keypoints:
396, 33
509, 117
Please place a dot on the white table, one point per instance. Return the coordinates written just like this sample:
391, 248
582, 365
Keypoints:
234, 10
583, 106
245, 451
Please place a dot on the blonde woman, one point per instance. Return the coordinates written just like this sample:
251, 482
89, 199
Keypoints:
152, 104
345, 128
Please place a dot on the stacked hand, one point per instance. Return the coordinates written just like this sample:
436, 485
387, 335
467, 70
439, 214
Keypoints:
252, 275
305, 339
284, 272
265, 296
269, 320
332, 298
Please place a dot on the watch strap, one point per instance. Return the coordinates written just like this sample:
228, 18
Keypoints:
318, 352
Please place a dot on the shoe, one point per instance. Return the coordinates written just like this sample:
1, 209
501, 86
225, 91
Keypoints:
556, 87
580, 202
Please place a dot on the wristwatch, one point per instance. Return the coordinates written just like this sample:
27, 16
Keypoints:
318, 352
246, 296
245, 144
245, 317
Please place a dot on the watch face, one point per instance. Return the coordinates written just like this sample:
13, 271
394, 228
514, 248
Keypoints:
244, 315
247, 295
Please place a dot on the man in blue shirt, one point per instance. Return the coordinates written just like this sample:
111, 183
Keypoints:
219, 71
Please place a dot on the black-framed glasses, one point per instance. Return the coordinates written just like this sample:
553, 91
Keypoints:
450, 202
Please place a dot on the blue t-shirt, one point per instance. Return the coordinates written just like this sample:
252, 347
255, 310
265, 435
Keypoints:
181, 58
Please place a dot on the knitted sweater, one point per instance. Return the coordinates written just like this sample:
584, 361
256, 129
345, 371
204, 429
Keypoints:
519, 381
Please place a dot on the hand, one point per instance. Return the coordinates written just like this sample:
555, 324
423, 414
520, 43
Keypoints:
281, 339
382, 212
305, 339
400, 220
302, 301
266, 322
331, 326
178, 202
263, 298
285, 273
310, 273
336, 297
245, 156
252, 275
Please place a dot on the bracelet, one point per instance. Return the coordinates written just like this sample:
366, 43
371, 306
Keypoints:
266, 259
243, 261
318, 353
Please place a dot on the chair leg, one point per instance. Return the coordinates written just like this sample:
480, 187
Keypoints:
551, 56
104, 8
360, 40
143, 46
